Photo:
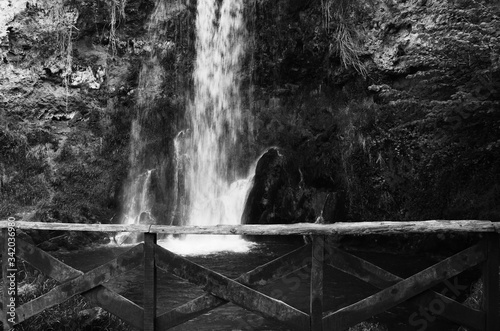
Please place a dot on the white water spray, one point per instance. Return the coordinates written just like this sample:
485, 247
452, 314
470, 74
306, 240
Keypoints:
215, 113
216, 196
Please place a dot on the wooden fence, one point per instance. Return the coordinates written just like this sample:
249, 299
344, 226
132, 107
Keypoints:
242, 291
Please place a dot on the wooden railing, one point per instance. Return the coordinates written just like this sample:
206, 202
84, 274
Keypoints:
416, 289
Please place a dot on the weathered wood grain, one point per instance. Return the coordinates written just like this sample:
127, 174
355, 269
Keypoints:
100, 295
230, 290
316, 300
127, 261
260, 276
45, 262
277, 268
117, 305
79, 227
380, 278
404, 290
360, 228
149, 282
490, 281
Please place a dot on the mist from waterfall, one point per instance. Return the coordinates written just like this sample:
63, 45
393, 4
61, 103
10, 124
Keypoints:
138, 194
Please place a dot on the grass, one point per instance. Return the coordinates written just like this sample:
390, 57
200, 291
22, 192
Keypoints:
339, 19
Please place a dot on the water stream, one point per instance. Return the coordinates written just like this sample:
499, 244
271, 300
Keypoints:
215, 115
207, 150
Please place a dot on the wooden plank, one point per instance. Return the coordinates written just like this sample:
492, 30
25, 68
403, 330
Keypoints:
358, 228
149, 281
360, 268
277, 268
45, 262
402, 291
380, 278
81, 227
230, 290
127, 261
260, 276
316, 301
490, 281
188, 311
117, 305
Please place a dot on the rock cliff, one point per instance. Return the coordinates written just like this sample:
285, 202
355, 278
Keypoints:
393, 105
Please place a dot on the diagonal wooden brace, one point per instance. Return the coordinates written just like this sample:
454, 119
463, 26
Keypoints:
404, 290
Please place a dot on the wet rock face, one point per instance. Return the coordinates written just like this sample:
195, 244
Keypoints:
437, 90
268, 180
414, 139
278, 196
63, 125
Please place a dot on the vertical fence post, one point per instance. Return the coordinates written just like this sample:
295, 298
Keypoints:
316, 303
491, 283
149, 282
9, 278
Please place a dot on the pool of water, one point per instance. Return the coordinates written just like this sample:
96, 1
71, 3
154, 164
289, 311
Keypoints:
340, 289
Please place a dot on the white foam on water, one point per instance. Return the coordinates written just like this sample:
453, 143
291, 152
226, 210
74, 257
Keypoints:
206, 244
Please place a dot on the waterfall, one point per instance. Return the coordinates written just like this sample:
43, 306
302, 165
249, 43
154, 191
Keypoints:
208, 188
215, 113
216, 195
145, 157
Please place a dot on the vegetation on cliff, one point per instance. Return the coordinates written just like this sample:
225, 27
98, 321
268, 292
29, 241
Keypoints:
391, 105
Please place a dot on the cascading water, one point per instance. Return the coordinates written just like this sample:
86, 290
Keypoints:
146, 164
215, 113
216, 120
205, 171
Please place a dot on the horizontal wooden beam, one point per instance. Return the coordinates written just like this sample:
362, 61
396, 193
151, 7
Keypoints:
380, 278
23, 225
230, 290
404, 290
357, 228
260, 276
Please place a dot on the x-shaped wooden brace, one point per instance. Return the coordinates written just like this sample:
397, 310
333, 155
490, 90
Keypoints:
396, 290
223, 289
74, 282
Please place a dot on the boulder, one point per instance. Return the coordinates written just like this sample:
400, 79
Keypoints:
268, 180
